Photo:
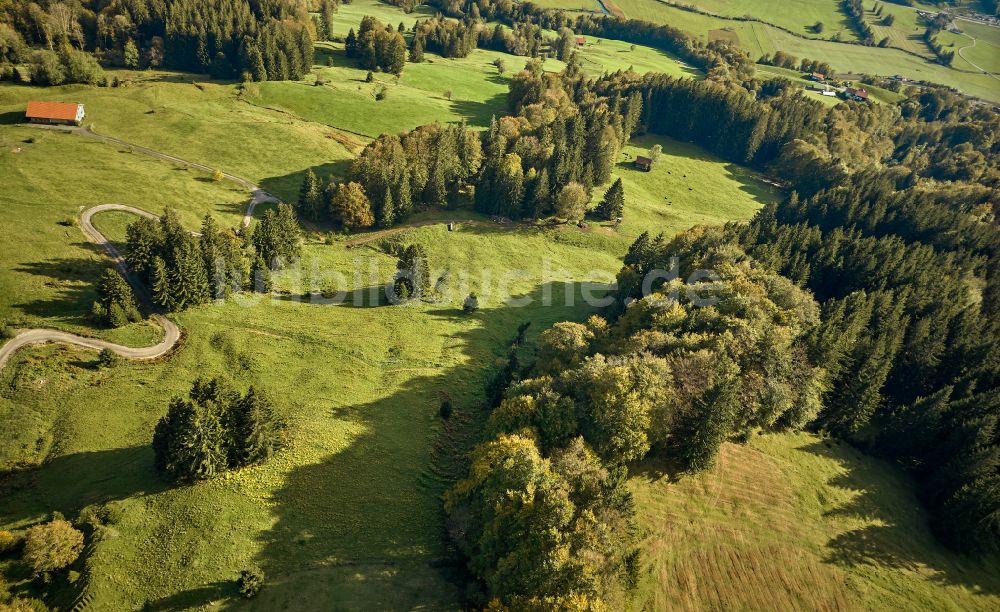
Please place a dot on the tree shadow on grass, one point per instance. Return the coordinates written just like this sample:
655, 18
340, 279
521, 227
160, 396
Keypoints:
195, 598
897, 536
479, 114
287, 187
72, 482
365, 528
73, 281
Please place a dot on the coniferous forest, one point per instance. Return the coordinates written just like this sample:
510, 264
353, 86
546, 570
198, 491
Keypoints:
264, 39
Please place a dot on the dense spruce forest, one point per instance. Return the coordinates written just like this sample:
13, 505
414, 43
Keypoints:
259, 39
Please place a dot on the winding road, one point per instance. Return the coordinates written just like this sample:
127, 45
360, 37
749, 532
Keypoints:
968, 61
172, 333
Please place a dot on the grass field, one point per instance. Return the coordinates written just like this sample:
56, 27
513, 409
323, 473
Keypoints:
352, 504
796, 15
348, 515
794, 522
47, 266
760, 39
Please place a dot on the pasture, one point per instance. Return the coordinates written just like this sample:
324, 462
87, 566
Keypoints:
794, 521
760, 39
353, 502
348, 514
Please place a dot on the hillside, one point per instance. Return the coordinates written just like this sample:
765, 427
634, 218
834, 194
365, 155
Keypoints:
427, 269
905, 56
792, 522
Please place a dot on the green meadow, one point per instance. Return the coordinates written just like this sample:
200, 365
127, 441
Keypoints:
798, 522
353, 502
348, 515
760, 39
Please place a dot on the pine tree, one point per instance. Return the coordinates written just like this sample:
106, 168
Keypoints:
310, 196
412, 274
142, 243
161, 287
255, 430
613, 205
189, 442
417, 49
351, 44
541, 196
387, 211
115, 303
709, 424
261, 275
188, 280
395, 54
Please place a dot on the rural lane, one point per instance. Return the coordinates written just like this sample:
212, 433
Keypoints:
171, 332
976, 66
257, 194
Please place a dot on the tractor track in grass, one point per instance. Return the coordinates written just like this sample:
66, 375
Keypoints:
171, 332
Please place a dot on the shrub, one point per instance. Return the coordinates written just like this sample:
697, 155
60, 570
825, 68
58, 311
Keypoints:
46, 69
445, 410
471, 304
108, 359
217, 175
82, 68
382, 93
251, 582
52, 546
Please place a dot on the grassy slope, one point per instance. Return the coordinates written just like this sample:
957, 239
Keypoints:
46, 185
760, 39
347, 516
795, 522
796, 15
202, 122
351, 504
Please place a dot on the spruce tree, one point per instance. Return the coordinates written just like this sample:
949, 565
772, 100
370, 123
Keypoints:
395, 54
417, 49
613, 204
255, 430
161, 287
188, 280
351, 44
260, 273
310, 196
412, 274
189, 443
541, 196
708, 425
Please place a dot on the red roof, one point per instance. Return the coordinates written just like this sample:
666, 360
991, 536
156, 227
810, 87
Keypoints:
645, 161
580, 40
51, 110
861, 93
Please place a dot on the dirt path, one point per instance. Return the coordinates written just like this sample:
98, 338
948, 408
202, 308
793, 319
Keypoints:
968, 61
171, 332
257, 195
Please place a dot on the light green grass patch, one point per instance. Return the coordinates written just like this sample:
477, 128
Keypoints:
203, 122
687, 186
49, 268
760, 39
793, 521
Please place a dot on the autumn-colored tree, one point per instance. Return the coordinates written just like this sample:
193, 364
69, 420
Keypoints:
351, 206
52, 546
